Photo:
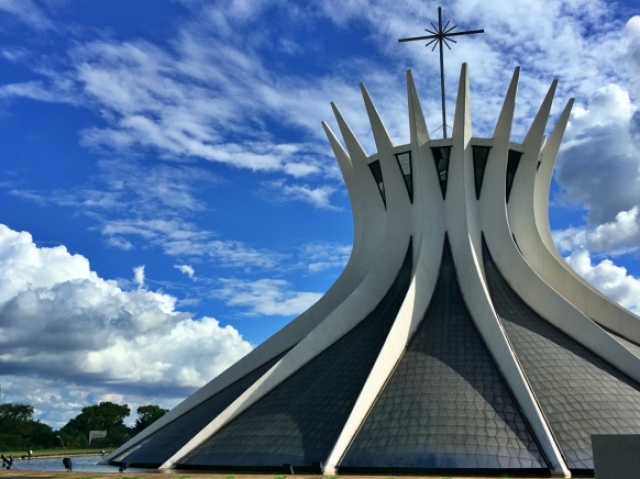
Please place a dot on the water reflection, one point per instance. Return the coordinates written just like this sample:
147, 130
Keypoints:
80, 464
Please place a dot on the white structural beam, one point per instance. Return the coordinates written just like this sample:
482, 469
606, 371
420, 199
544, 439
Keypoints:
531, 288
362, 300
387, 218
369, 231
528, 220
427, 218
465, 237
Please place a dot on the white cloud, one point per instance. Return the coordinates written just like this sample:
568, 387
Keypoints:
138, 276
180, 238
269, 297
27, 11
633, 51
599, 165
60, 321
120, 243
186, 269
320, 196
612, 280
621, 235
172, 103
323, 256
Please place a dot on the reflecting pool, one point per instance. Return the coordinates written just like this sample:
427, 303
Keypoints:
80, 464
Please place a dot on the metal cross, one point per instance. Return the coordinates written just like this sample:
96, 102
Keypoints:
438, 37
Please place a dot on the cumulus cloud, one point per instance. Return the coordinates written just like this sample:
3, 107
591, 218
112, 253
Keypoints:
186, 269
618, 236
60, 321
612, 280
633, 50
600, 164
269, 297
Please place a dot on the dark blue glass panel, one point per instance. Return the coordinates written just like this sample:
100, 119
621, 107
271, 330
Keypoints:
580, 394
376, 171
299, 421
404, 162
441, 157
480, 157
165, 442
445, 406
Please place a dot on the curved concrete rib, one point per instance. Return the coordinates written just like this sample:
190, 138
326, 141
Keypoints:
362, 300
542, 181
380, 134
528, 219
532, 267
531, 288
423, 281
369, 231
475, 290
364, 197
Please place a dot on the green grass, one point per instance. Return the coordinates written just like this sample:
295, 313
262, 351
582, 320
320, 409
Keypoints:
280, 477
59, 451
230, 477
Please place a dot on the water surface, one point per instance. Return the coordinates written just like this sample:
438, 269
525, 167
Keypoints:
80, 464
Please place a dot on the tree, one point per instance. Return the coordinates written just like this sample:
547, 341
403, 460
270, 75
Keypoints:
147, 415
14, 413
106, 416
18, 430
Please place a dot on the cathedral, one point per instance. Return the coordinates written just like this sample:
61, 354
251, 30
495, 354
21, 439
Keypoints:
456, 340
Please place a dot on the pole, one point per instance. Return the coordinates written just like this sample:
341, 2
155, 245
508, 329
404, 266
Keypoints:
444, 111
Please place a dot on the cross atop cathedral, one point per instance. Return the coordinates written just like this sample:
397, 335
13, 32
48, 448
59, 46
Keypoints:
441, 35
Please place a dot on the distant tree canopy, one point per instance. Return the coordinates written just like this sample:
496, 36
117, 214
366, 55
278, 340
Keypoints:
147, 415
18, 430
106, 416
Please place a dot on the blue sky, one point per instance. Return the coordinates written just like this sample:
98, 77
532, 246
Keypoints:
169, 200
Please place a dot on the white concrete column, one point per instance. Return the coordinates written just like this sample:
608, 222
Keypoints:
427, 217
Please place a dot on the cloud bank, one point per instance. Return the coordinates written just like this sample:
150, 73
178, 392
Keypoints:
62, 323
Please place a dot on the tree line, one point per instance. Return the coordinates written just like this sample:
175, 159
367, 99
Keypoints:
20, 431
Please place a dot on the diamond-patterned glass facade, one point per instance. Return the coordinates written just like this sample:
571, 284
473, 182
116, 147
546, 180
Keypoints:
299, 421
445, 406
164, 443
404, 162
579, 393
